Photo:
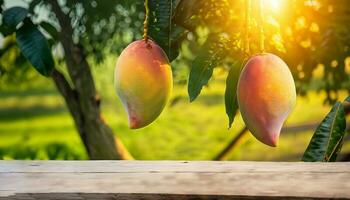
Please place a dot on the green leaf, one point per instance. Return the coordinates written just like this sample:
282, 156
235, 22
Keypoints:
184, 14
5, 31
1, 4
212, 52
327, 141
231, 103
13, 16
35, 48
50, 29
161, 28
177, 35
347, 100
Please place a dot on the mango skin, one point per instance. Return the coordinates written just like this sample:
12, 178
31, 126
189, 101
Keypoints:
143, 81
266, 95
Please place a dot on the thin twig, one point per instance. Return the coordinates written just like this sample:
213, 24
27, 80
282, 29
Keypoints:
261, 27
145, 23
247, 26
232, 144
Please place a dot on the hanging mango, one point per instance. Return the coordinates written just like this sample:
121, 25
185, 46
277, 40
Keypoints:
143, 79
266, 95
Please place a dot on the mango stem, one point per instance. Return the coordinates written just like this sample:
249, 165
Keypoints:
247, 27
146, 23
261, 27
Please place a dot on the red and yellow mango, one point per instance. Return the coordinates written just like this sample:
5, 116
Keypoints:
266, 95
143, 81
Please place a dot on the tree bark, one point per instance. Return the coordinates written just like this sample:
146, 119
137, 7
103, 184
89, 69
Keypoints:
83, 102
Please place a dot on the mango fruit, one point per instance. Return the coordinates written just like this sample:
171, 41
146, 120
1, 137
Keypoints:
266, 95
143, 81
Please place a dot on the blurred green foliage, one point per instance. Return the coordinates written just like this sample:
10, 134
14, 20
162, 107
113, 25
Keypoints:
51, 151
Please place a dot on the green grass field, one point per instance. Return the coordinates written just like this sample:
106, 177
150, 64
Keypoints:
35, 124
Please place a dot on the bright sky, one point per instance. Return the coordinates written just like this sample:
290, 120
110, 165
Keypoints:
10, 3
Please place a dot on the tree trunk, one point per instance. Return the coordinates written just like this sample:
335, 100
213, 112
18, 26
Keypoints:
83, 101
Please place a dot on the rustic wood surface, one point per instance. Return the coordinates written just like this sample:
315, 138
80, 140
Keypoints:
173, 180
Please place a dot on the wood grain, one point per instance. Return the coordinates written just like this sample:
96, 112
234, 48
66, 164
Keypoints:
173, 180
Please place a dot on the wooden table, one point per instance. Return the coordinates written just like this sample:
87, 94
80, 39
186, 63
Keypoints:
173, 180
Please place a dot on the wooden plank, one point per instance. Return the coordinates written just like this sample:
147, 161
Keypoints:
173, 180
169, 166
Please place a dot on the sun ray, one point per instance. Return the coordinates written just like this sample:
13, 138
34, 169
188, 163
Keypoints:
274, 5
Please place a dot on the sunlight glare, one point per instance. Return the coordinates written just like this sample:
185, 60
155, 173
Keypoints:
274, 5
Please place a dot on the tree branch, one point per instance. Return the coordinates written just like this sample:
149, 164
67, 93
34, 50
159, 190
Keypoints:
224, 153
